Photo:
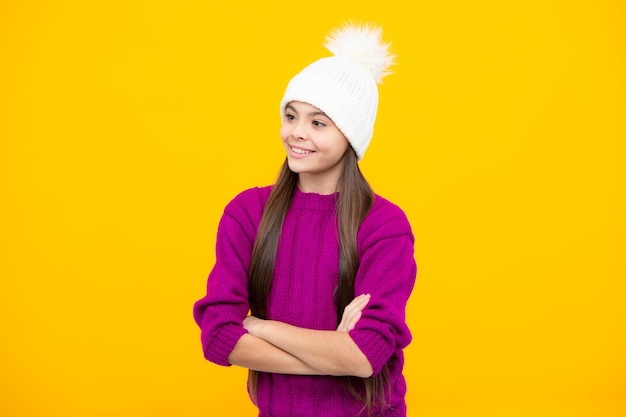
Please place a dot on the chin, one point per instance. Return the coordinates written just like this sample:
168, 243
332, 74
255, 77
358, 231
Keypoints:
295, 166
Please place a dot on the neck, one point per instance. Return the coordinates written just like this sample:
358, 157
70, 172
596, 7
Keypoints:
312, 184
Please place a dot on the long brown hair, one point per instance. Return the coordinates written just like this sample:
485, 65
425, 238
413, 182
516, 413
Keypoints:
354, 201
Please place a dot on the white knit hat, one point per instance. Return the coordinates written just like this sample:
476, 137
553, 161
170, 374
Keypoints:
344, 86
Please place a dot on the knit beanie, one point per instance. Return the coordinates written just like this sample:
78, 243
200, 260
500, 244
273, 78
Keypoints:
344, 86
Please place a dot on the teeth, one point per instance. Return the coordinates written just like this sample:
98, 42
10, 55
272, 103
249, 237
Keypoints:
300, 151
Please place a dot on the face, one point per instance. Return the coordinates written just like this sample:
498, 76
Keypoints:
315, 147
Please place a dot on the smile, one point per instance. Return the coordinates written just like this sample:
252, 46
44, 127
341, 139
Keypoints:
300, 151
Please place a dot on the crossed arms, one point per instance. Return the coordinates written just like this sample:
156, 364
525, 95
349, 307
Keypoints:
274, 346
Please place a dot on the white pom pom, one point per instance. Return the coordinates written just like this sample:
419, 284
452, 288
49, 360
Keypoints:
363, 44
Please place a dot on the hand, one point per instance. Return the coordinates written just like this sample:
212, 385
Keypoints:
352, 313
252, 323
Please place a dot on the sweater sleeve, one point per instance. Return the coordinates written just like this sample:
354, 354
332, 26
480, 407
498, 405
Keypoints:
220, 313
387, 271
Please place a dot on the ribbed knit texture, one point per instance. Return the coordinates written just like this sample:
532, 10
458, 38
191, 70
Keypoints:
305, 278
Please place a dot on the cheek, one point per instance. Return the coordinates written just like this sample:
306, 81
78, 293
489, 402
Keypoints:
284, 132
345, 146
340, 146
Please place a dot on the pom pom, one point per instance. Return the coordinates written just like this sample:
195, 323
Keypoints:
363, 44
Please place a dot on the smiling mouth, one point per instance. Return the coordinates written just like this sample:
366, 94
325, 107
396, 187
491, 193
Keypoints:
300, 151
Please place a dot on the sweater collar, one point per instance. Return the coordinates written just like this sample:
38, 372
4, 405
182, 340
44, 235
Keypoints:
314, 201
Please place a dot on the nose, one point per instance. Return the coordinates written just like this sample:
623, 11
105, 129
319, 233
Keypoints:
298, 132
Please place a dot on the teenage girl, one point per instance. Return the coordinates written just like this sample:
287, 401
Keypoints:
313, 274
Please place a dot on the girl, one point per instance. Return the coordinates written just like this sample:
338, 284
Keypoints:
323, 265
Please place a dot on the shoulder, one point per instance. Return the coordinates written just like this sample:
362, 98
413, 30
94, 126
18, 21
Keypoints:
248, 204
251, 197
384, 220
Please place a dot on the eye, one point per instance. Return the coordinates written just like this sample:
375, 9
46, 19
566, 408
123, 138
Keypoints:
289, 117
318, 123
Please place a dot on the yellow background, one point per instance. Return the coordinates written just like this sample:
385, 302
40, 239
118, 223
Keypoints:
126, 126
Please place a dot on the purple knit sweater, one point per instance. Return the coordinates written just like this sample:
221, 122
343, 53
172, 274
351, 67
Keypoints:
305, 277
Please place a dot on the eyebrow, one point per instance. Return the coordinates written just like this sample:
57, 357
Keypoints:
313, 113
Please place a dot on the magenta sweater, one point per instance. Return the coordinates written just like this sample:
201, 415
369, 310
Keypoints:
305, 277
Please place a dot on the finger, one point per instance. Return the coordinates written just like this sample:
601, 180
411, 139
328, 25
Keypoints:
359, 302
352, 312
346, 319
353, 321
363, 298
